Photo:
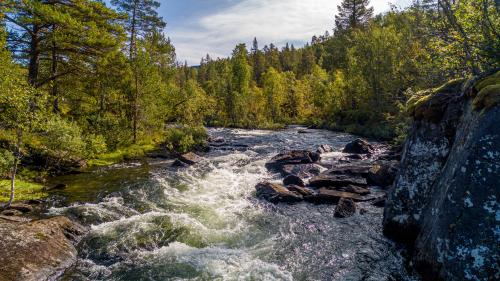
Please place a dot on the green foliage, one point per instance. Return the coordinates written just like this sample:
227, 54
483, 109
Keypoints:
95, 145
488, 94
6, 162
24, 190
63, 139
184, 139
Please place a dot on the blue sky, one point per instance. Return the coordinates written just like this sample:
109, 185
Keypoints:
198, 27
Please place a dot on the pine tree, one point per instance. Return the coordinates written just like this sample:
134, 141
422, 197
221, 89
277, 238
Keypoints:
142, 19
353, 14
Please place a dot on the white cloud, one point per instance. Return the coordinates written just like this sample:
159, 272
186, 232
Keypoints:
271, 21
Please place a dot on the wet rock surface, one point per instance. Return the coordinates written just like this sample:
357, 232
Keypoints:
359, 146
345, 208
276, 193
444, 202
37, 250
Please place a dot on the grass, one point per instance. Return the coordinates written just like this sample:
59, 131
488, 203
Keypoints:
24, 190
122, 154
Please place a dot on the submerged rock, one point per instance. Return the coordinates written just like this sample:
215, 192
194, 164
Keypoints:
345, 208
37, 250
277, 193
445, 200
293, 180
358, 146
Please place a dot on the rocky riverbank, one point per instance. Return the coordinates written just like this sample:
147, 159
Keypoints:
361, 174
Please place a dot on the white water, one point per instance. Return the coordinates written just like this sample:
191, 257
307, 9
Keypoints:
203, 223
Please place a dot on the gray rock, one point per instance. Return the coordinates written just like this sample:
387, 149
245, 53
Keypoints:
293, 157
383, 174
293, 180
445, 201
358, 146
276, 193
329, 196
304, 191
302, 170
345, 208
38, 250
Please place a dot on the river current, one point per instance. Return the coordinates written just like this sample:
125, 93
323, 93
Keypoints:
149, 221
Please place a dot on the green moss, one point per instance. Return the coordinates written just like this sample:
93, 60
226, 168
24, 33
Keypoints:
24, 190
488, 81
488, 97
430, 105
122, 154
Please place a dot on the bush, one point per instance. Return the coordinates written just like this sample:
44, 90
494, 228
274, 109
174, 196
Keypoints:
184, 139
63, 139
6, 161
95, 145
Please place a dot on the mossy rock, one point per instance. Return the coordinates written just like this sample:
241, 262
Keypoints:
488, 92
430, 105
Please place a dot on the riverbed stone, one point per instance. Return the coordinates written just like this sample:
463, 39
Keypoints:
277, 193
329, 196
355, 189
304, 191
358, 146
341, 176
383, 173
37, 250
345, 208
302, 170
293, 157
293, 180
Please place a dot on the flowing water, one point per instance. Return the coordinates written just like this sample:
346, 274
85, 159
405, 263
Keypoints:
149, 221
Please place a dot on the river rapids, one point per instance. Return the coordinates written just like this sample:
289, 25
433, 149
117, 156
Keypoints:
149, 221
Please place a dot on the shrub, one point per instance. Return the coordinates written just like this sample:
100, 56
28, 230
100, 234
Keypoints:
6, 161
63, 139
184, 139
95, 145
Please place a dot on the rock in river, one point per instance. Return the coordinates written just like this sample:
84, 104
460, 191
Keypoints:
383, 174
304, 191
345, 208
328, 196
276, 193
37, 250
187, 159
324, 148
341, 176
293, 157
358, 146
293, 180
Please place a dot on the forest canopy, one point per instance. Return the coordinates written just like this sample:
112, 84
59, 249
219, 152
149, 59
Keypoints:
79, 78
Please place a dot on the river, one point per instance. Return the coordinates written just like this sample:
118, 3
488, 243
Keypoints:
149, 221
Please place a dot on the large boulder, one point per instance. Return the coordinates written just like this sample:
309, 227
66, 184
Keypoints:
444, 202
293, 157
277, 193
358, 146
345, 208
37, 250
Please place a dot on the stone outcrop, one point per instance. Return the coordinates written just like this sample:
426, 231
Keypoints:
37, 250
445, 200
187, 159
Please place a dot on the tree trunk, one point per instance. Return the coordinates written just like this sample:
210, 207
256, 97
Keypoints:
55, 94
17, 157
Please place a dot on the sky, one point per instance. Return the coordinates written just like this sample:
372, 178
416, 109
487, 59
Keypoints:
200, 27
